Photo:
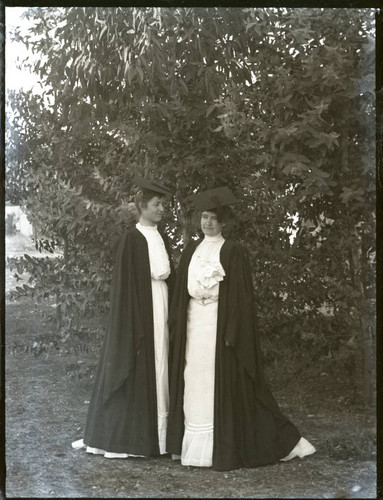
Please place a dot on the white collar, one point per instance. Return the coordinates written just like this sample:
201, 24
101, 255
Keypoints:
217, 237
149, 228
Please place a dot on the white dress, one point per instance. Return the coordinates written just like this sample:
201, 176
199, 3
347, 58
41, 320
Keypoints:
159, 270
204, 274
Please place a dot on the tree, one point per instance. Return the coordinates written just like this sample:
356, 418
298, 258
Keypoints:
275, 103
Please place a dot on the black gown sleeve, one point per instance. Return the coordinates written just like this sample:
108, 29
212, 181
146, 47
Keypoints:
240, 321
130, 303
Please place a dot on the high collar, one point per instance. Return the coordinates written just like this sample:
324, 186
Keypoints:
217, 237
149, 228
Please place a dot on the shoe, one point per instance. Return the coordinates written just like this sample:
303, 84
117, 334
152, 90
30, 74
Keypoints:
110, 454
302, 449
79, 444
94, 451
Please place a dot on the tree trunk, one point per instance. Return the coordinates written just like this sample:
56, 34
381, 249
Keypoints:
62, 311
365, 325
58, 312
186, 229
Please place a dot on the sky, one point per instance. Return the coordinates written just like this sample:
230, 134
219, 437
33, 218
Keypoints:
15, 79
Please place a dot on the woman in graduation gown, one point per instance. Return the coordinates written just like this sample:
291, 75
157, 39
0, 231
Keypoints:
221, 414
128, 409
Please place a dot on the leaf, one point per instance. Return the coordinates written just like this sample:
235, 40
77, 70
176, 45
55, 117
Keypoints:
286, 99
140, 73
184, 86
29, 258
125, 54
348, 194
131, 72
103, 31
210, 109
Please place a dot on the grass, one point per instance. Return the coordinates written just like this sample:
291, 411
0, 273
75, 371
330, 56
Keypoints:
19, 244
47, 405
355, 442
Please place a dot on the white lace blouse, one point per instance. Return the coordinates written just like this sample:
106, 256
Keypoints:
205, 269
158, 256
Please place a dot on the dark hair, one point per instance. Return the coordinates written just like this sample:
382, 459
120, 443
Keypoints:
143, 196
223, 213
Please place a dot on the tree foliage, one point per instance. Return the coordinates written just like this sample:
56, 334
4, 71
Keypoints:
276, 103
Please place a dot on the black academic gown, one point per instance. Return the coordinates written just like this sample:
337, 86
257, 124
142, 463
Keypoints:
122, 415
249, 428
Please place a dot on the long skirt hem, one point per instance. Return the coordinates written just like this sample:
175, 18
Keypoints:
79, 444
197, 446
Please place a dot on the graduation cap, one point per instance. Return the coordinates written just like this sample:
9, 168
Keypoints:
214, 198
157, 187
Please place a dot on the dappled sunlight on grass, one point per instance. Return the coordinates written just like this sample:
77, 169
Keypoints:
19, 244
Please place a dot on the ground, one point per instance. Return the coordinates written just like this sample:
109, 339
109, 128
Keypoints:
48, 385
